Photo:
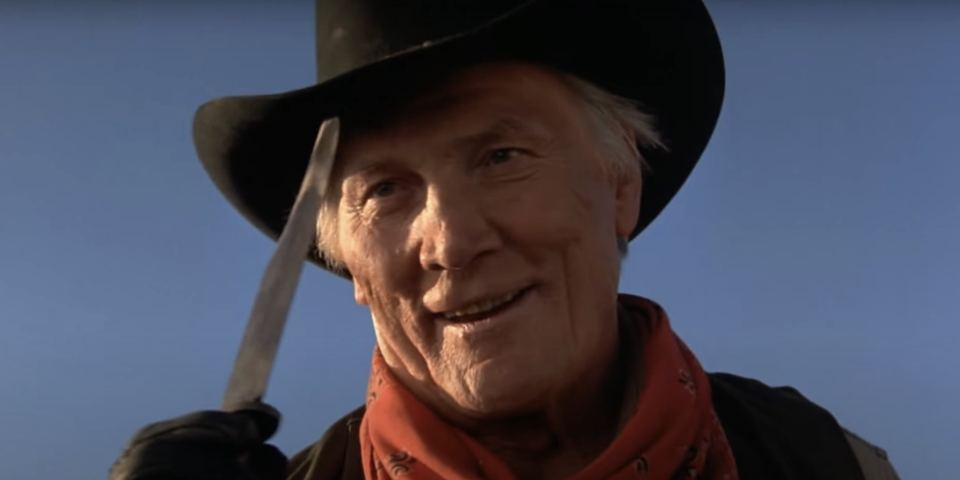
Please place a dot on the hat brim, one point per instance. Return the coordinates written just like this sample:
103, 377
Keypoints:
664, 54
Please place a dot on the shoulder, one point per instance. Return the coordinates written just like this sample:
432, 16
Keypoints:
873, 460
784, 412
335, 456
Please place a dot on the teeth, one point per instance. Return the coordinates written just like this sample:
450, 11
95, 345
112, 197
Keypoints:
480, 307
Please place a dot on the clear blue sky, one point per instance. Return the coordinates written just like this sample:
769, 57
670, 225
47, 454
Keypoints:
816, 245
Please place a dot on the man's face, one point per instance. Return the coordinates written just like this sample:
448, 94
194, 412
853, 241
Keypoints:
480, 226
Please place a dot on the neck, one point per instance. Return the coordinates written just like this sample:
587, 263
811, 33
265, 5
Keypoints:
568, 433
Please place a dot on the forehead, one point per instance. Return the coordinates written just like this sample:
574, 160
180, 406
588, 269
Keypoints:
502, 95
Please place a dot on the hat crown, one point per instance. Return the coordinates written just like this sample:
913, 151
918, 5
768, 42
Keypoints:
352, 33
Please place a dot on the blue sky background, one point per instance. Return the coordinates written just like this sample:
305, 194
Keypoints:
816, 245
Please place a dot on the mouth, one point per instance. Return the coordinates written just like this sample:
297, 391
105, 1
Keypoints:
484, 309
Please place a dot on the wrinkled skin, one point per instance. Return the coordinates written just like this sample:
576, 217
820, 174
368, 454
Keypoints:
490, 184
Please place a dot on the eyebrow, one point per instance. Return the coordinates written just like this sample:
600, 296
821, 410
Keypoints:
500, 129
497, 130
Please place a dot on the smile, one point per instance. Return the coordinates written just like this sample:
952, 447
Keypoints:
481, 309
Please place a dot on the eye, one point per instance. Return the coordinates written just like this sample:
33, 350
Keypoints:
502, 155
383, 189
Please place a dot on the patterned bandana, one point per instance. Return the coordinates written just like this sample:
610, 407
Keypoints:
672, 434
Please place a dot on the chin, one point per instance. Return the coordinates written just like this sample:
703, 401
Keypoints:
498, 392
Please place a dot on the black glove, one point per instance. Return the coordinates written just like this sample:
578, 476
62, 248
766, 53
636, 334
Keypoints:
206, 445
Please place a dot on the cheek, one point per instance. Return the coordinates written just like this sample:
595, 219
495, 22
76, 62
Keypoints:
557, 213
401, 337
386, 277
377, 252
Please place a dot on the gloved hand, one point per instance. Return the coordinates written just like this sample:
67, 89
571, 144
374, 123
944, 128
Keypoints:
205, 445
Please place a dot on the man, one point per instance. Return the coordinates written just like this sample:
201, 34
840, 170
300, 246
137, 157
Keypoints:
495, 160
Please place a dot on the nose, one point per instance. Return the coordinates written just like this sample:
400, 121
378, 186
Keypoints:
454, 229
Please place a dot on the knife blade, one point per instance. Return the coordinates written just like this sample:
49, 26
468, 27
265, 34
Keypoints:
268, 317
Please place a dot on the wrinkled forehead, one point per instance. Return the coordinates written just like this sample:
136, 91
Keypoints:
491, 93
428, 92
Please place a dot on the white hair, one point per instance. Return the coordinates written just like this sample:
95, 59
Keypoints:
622, 127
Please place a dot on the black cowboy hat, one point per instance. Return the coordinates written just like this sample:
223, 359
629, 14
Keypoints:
664, 54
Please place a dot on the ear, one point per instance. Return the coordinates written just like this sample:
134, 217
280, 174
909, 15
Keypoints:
629, 190
360, 295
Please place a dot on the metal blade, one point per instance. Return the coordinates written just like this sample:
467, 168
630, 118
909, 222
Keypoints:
258, 350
